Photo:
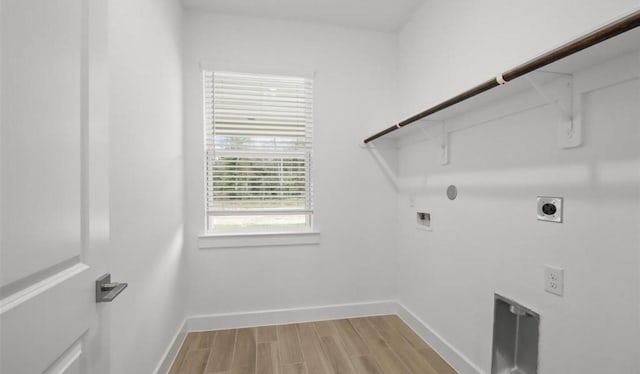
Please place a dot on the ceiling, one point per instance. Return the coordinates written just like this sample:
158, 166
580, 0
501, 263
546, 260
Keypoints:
384, 15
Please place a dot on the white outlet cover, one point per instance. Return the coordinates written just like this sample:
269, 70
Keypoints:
554, 280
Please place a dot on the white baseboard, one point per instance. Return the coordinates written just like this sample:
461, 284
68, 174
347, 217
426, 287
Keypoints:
450, 354
284, 316
172, 350
318, 313
269, 317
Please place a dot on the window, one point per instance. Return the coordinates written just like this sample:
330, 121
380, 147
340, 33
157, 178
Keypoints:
258, 131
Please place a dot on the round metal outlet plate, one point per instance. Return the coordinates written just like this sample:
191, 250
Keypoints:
452, 192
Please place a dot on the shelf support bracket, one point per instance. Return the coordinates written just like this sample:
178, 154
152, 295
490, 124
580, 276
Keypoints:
400, 184
559, 93
382, 163
444, 145
442, 138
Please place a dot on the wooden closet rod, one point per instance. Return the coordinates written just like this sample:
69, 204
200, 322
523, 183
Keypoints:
606, 32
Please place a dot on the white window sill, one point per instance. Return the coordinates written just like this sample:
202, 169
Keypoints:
267, 239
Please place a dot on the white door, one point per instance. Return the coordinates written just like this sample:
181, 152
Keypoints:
54, 186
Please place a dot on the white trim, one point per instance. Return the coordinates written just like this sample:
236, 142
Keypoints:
268, 317
66, 360
273, 70
266, 239
224, 321
446, 350
172, 350
13, 300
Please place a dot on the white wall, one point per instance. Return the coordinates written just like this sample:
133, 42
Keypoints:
488, 240
450, 46
355, 206
146, 180
447, 47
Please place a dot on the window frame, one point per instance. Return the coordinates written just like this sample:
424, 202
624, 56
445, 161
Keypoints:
287, 235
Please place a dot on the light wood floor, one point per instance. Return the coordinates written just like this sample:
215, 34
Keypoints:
382, 344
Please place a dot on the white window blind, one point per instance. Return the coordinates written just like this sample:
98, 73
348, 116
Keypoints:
258, 140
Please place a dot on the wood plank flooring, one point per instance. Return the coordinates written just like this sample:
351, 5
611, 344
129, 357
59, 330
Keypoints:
369, 345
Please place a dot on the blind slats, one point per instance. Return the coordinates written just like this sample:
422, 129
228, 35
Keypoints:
263, 109
259, 212
258, 137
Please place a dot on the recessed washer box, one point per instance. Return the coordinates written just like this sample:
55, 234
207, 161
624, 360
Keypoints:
550, 209
516, 335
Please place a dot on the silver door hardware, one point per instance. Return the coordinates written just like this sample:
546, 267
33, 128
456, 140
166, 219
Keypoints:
107, 291
550, 209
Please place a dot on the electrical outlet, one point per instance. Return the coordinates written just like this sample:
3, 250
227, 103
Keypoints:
550, 209
554, 280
